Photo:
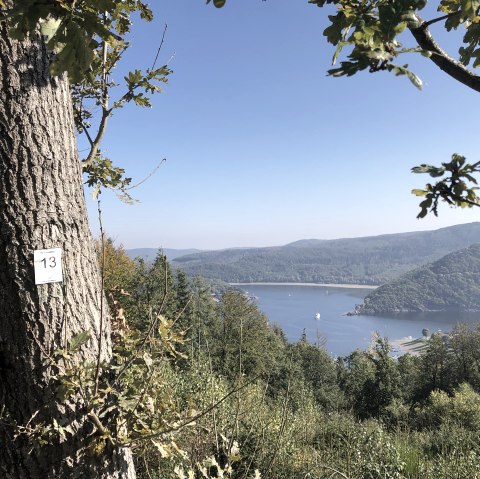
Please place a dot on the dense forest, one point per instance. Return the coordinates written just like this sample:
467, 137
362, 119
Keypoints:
217, 391
450, 284
371, 260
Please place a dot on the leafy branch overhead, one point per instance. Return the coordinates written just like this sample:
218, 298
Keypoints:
455, 188
370, 32
97, 91
74, 30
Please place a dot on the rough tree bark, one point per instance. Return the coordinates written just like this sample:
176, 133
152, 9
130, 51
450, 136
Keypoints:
42, 206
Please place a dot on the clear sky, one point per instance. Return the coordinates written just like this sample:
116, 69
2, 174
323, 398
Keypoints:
262, 148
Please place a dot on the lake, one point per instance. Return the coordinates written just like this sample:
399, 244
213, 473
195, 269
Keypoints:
294, 309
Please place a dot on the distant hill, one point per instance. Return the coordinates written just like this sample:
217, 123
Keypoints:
368, 260
306, 242
149, 254
451, 283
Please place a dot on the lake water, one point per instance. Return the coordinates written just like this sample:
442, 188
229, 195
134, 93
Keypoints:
294, 309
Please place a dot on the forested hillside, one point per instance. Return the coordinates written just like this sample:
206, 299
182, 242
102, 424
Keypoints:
368, 260
213, 390
450, 284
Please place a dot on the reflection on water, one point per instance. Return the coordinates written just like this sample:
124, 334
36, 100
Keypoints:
294, 308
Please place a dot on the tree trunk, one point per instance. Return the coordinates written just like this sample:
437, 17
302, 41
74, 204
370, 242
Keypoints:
42, 206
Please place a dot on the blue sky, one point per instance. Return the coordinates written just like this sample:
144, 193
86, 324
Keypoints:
262, 147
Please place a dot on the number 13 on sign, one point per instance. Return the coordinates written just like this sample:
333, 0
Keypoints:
48, 265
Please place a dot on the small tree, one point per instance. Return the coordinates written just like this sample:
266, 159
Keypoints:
243, 342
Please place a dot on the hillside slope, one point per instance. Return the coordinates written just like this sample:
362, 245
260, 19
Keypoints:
450, 284
367, 260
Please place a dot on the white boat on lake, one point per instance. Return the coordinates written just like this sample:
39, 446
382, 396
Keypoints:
317, 316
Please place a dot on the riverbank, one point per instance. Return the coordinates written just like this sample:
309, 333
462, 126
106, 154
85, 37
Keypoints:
322, 285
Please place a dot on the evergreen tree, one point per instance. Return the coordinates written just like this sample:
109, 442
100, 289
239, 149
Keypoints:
243, 343
155, 293
435, 370
184, 296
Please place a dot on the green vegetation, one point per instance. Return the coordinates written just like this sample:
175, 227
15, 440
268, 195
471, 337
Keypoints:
236, 400
370, 260
450, 284
195, 390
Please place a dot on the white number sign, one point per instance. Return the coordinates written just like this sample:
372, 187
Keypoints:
48, 266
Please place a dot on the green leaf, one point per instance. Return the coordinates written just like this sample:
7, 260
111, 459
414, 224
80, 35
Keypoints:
79, 340
426, 203
335, 32
49, 28
148, 360
436, 172
76, 56
358, 35
64, 391
16, 33
104, 5
433, 171
424, 168
403, 70
417, 82
163, 452
400, 27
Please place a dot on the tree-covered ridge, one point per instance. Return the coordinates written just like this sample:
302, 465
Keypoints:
149, 254
450, 284
368, 260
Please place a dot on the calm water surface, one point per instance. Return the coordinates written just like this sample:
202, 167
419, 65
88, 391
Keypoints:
294, 309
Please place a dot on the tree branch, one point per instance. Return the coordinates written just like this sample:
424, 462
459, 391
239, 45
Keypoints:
102, 295
439, 19
460, 199
90, 140
105, 112
160, 47
147, 177
440, 57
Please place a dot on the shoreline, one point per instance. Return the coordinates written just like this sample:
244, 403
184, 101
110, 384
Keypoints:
321, 285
